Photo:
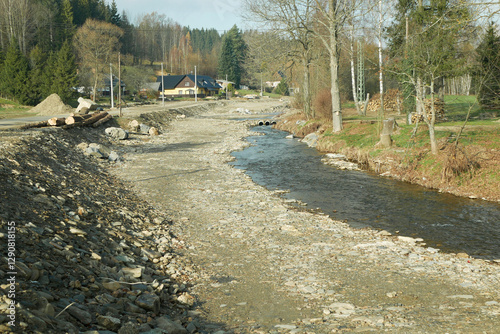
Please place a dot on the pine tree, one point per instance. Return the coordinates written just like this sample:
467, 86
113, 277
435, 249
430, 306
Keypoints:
14, 76
66, 17
113, 13
233, 55
37, 61
489, 69
65, 73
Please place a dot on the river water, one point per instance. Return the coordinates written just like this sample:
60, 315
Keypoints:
444, 221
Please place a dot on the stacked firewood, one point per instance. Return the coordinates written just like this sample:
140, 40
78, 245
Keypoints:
73, 121
392, 101
438, 108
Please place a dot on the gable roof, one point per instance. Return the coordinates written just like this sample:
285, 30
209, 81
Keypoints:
204, 81
170, 81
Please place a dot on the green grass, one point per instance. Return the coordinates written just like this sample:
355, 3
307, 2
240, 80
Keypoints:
11, 109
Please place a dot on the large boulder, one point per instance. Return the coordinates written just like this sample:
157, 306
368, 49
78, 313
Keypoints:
311, 140
86, 103
117, 133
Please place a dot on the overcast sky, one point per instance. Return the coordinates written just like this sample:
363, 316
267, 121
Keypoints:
218, 14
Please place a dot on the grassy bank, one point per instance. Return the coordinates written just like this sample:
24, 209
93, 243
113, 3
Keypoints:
467, 163
11, 109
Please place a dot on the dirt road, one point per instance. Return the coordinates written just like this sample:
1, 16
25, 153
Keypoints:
263, 267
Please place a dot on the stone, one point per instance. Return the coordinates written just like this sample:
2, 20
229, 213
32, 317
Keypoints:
112, 286
116, 133
79, 314
77, 231
311, 140
154, 131
98, 151
113, 156
151, 254
186, 299
85, 103
82, 146
132, 272
148, 301
143, 128
170, 326
129, 328
111, 323
134, 125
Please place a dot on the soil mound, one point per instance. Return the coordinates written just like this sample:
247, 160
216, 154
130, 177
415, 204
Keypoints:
52, 105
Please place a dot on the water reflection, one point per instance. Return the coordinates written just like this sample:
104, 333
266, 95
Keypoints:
444, 221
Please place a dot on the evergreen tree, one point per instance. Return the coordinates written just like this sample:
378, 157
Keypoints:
233, 55
37, 61
14, 76
488, 53
114, 17
282, 88
66, 17
65, 73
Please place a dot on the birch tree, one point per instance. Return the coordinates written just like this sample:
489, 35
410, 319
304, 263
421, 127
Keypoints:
331, 18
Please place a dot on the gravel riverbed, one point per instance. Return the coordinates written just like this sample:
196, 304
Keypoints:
261, 266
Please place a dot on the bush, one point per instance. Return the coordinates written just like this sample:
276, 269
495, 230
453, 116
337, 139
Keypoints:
322, 104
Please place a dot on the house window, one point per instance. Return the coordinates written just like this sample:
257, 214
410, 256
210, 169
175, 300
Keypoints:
187, 84
180, 92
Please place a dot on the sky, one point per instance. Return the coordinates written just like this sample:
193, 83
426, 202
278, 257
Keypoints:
219, 14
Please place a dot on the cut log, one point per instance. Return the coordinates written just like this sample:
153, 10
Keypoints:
76, 119
54, 121
35, 125
88, 121
102, 121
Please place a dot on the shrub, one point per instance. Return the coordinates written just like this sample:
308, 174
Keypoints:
322, 104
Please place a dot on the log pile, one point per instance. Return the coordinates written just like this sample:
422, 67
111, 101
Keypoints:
438, 107
392, 101
73, 121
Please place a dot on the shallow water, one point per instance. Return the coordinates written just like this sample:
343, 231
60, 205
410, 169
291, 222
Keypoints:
444, 221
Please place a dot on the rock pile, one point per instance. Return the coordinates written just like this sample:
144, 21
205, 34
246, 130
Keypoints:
89, 255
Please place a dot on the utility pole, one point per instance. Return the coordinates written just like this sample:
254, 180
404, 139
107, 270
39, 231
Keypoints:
111, 84
195, 85
120, 83
162, 87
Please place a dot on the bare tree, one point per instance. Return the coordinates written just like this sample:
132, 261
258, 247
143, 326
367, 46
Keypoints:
331, 18
95, 42
291, 19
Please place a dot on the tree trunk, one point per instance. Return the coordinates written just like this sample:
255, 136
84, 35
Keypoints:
54, 121
307, 85
335, 90
381, 65
353, 75
77, 119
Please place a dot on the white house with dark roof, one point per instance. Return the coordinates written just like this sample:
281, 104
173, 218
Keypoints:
184, 85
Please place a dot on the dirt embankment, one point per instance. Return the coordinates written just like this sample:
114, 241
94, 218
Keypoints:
87, 252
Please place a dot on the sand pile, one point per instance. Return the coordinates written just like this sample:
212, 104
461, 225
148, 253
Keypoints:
52, 105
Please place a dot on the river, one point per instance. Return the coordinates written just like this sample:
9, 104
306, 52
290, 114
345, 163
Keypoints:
363, 199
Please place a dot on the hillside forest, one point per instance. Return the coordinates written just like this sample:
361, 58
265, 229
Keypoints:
317, 50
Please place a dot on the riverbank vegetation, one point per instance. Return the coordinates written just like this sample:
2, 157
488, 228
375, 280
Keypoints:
467, 160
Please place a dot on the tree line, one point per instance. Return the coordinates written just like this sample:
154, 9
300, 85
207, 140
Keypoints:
35, 33
416, 46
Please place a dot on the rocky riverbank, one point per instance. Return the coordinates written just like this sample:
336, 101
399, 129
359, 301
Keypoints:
267, 268
171, 239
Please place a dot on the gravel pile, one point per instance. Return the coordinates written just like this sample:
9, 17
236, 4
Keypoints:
52, 105
89, 255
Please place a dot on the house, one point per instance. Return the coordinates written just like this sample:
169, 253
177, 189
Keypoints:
184, 85
107, 89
